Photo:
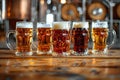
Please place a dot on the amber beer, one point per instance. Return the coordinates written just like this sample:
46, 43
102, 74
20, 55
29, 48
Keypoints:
99, 36
80, 38
24, 33
61, 38
44, 38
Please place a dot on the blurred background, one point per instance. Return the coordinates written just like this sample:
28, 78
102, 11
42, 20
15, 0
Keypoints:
48, 11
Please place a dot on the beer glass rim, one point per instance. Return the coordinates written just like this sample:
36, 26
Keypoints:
61, 25
43, 25
24, 24
99, 24
80, 24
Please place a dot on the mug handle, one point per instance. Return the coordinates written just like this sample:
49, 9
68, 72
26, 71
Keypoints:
114, 38
35, 41
11, 40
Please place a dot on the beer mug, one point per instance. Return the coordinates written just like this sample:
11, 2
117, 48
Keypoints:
80, 38
23, 38
61, 38
100, 36
44, 38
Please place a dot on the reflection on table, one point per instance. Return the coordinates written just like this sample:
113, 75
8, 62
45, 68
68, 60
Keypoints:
91, 67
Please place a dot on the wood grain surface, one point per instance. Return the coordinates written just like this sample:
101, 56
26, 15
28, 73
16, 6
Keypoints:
90, 67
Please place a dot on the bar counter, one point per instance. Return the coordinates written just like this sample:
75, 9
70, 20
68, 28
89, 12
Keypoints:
36, 67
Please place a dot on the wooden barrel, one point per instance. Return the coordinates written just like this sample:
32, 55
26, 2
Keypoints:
97, 11
69, 12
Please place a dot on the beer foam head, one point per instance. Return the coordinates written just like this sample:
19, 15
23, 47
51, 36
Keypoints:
100, 24
43, 25
80, 25
61, 25
24, 24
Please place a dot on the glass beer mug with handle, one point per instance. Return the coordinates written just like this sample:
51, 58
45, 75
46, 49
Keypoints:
100, 37
22, 41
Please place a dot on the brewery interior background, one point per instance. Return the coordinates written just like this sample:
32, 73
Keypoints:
55, 10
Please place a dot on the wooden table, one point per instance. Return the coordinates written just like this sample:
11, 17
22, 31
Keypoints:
36, 67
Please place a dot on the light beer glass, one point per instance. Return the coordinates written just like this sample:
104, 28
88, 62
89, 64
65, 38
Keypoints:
23, 35
100, 36
61, 38
44, 38
80, 38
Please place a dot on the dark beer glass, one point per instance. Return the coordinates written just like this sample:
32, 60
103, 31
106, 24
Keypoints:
80, 38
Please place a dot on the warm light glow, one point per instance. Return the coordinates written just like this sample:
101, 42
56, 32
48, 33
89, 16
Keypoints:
42, 2
23, 8
93, 61
31, 62
63, 1
51, 61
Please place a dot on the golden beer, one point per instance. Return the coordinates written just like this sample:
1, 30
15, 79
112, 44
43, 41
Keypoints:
24, 34
100, 33
43, 38
99, 36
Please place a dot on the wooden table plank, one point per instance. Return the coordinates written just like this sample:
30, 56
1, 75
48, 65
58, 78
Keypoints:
92, 67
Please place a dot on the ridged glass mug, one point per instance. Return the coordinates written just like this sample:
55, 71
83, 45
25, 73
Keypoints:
44, 45
22, 40
100, 37
80, 38
61, 38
